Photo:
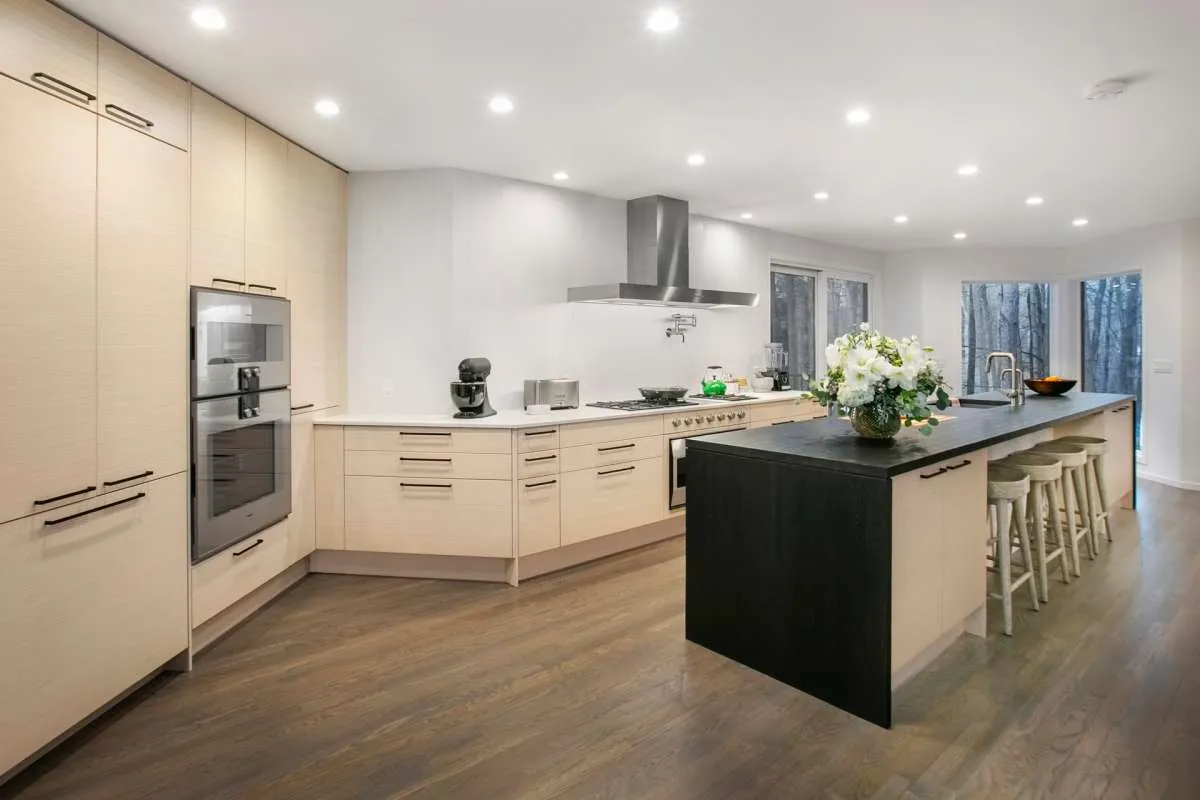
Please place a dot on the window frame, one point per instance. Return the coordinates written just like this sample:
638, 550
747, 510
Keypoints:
821, 276
1052, 331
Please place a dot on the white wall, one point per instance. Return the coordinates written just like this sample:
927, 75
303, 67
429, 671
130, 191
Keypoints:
446, 264
922, 294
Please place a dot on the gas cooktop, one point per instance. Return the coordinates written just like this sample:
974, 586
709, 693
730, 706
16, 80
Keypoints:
728, 397
642, 405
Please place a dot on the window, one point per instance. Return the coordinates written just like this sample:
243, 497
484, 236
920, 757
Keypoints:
1004, 317
794, 320
1112, 337
845, 306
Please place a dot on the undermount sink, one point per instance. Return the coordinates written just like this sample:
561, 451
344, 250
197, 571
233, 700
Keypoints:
967, 402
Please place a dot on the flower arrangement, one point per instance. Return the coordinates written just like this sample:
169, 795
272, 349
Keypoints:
882, 382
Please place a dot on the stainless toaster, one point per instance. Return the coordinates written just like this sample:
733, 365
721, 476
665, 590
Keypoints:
554, 392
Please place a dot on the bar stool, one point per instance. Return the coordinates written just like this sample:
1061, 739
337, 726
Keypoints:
1008, 493
1097, 495
1043, 471
1072, 489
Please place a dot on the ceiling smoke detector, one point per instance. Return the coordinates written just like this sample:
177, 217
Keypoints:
1106, 90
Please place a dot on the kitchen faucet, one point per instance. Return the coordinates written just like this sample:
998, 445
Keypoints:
1017, 394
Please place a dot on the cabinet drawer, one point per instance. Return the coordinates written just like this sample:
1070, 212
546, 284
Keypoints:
429, 516
598, 455
538, 515
478, 466
89, 605
221, 580
536, 439
142, 95
610, 430
597, 502
533, 465
48, 48
795, 408
429, 440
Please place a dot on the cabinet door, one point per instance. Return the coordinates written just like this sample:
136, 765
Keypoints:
88, 607
218, 148
598, 502
136, 92
1118, 462
964, 537
266, 210
302, 524
48, 48
539, 521
223, 578
142, 307
916, 569
47, 300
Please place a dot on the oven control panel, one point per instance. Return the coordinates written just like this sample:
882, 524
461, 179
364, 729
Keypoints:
705, 419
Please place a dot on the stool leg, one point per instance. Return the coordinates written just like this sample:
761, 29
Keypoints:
1084, 508
1068, 492
1094, 502
1026, 551
1039, 540
1004, 514
1102, 493
1054, 489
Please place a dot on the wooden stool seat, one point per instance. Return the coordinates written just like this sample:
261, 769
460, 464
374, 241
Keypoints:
1006, 483
1038, 466
1094, 445
1008, 493
1045, 473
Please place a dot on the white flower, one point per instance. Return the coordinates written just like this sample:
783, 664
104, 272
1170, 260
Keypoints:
833, 356
864, 326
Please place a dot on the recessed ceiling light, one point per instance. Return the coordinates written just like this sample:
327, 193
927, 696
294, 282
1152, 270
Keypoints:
663, 20
1079, 222
327, 108
858, 116
967, 170
1034, 201
960, 235
900, 220
747, 215
501, 104
821, 196
208, 18
696, 160
561, 176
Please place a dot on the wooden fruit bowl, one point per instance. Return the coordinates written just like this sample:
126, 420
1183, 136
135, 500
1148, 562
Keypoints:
1050, 388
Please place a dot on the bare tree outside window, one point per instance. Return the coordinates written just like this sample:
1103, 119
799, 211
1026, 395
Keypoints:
793, 321
846, 306
1005, 317
1112, 337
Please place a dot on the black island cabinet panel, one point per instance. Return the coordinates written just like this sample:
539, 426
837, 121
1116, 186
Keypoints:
789, 572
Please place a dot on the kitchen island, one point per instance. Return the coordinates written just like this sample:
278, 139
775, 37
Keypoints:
842, 566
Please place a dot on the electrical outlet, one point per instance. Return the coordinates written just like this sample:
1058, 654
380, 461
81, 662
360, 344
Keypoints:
1163, 366
389, 388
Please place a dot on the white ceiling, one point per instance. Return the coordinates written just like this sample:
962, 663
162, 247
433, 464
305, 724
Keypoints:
759, 86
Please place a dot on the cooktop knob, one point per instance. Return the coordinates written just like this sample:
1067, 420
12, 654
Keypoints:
676, 422
687, 421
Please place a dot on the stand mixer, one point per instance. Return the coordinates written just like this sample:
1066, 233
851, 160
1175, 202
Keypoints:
469, 392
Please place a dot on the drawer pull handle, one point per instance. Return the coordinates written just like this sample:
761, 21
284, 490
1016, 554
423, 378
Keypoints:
139, 476
1119, 410
615, 471
616, 447
541, 433
941, 471
245, 550
539, 484
785, 422
431, 460
966, 463
62, 87
540, 458
61, 520
262, 286
423, 433
50, 500
304, 407
227, 280
125, 115
427, 485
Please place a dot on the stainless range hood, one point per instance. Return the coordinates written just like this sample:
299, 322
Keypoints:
658, 263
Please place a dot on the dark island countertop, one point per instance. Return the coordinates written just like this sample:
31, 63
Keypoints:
832, 444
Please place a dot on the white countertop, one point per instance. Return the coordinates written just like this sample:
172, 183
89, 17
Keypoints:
519, 419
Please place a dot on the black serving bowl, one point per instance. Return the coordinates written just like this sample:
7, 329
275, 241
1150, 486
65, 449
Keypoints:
1050, 388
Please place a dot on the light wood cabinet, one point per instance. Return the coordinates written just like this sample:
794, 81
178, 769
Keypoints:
598, 502
796, 409
47, 300
302, 524
48, 48
598, 455
138, 93
424, 516
964, 537
89, 606
141, 307
476, 466
331, 487
218, 193
582, 433
539, 522
266, 211
222, 579
539, 463
428, 440
316, 278
537, 440
1118, 462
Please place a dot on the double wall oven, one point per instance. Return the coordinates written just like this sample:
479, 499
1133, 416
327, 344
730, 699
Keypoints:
241, 417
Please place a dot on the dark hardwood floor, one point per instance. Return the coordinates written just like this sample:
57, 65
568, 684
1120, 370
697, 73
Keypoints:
581, 685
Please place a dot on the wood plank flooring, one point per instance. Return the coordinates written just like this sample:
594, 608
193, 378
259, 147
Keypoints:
581, 685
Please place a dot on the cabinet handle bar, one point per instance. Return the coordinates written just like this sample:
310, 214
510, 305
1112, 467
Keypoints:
541, 483
139, 476
50, 500
61, 520
615, 471
62, 87
616, 447
245, 550
125, 115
